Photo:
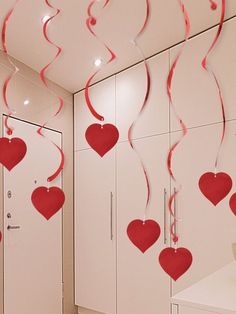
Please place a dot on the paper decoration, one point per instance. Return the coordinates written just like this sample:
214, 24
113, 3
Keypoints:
215, 187
48, 201
143, 234
0, 236
232, 203
208, 69
175, 262
12, 151
213, 5
102, 138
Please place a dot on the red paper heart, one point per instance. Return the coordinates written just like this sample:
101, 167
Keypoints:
143, 234
215, 187
232, 203
102, 137
12, 151
48, 201
0, 236
175, 262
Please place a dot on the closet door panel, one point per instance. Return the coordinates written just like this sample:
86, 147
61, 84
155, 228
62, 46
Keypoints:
207, 230
195, 94
103, 99
130, 92
142, 285
95, 249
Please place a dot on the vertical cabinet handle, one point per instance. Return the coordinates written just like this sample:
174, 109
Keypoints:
165, 217
111, 216
176, 213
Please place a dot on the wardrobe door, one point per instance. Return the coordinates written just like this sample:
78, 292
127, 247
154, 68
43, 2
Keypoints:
130, 93
195, 94
207, 230
103, 100
95, 233
142, 286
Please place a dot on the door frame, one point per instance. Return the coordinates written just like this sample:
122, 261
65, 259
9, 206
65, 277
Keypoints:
2, 274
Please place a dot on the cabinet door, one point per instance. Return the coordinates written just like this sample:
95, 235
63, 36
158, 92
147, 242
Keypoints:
142, 285
130, 92
191, 310
207, 230
95, 241
103, 99
195, 93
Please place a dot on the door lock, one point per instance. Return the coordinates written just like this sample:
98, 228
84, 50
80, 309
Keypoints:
9, 194
8, 215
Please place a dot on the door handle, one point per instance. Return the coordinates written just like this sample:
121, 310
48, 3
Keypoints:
111, 216
13, 227
165, 217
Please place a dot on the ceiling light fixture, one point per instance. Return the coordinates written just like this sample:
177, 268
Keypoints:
26, 102
45, 18
97, 62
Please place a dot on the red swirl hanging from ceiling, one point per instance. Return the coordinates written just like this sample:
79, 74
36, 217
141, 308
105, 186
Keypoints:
182, 124
143, 233
101, 137
48, 201
215, 186
176, 261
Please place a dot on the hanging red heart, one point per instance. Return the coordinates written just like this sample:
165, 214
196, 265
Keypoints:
48, 201
232, 203
143, 234
102, 137
175, 262
215, 187
0, 236
12, 151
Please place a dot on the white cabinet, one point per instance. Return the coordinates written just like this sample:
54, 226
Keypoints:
95, 246
142, 286
130, 92
195, 93
208, 231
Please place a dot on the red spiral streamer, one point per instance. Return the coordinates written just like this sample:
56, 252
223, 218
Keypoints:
210, 71
61, 101
10, 77
90, 22
147, 94
182, 124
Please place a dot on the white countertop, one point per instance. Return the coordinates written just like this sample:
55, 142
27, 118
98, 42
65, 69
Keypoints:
216, 292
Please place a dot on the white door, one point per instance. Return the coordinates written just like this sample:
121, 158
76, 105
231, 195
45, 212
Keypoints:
32, 253
142, 286
95, 234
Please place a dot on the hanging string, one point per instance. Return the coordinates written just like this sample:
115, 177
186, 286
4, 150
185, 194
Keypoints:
147, 94
11, 75
206, 67
60, 100
90, 22
175, 237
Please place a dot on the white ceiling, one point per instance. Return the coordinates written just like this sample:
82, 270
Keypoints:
117, 26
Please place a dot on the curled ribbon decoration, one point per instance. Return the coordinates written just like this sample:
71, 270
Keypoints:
61, 101
10, 77
102, 138
182, 124
147, 94
206, 67
90, 22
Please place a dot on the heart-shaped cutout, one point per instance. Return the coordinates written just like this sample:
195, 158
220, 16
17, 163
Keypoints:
48, 201
215, 187
102, 138
175, 262
12, 151
143, 234
232, 203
